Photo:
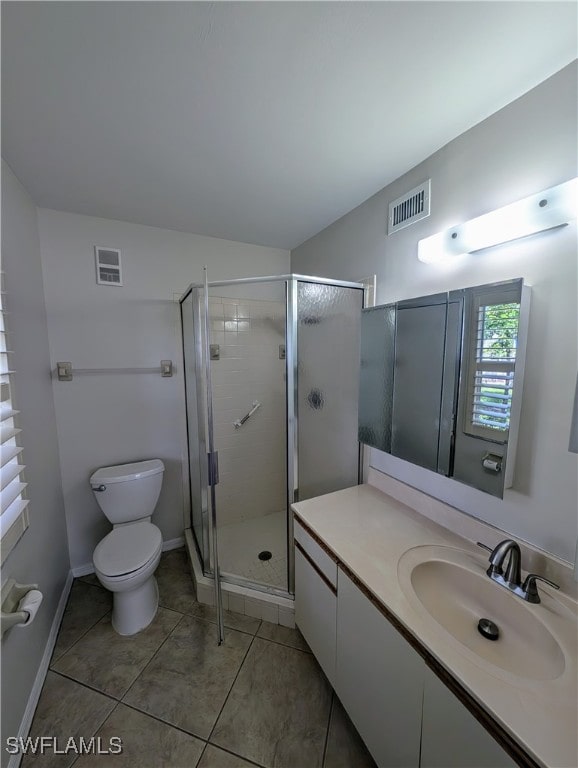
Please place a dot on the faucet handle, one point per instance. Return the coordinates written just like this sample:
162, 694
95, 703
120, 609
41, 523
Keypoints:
484, 546
530, 590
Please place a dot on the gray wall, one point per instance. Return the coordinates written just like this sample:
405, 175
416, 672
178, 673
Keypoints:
111, 418
41, 555
525, 147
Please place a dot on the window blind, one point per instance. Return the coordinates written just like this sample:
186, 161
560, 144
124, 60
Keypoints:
12, 484
493, 360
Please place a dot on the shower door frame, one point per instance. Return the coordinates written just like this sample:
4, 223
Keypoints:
291, 410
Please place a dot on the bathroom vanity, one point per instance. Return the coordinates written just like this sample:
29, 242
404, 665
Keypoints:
388, 601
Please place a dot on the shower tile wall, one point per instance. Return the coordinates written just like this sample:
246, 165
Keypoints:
252, 460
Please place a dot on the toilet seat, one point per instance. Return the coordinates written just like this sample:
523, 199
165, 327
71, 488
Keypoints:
127, 549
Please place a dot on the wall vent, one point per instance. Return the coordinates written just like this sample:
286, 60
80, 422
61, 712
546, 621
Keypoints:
408, 208
108, 267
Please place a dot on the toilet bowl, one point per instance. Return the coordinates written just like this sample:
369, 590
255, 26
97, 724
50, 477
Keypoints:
126, 559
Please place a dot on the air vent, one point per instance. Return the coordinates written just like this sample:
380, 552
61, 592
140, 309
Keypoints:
108, 268
408, 208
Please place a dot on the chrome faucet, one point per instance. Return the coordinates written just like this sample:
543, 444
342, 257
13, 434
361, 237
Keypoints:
512, 579
513, 576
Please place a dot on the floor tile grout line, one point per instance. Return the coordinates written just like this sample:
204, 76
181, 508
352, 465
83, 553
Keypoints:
285, 645
99, 725
210, 621
203, 750
159, 719
110, 696
236, 754
108, 610
231, 688
328, 727
85, 685
149, 662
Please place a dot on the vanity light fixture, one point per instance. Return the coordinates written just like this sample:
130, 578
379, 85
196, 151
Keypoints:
551, 208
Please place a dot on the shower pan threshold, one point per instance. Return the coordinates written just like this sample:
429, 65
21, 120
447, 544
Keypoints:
249, 602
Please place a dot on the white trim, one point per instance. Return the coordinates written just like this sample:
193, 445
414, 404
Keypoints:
235, 597
173, 543
26, 722
83, 570
87, 568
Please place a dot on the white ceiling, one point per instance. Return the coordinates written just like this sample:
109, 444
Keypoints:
257, 122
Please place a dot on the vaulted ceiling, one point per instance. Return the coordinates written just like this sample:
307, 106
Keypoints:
261, 122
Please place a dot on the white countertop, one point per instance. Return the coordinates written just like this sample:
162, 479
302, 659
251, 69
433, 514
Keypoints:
369, 532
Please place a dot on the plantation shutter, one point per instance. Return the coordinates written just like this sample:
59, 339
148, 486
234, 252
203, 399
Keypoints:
491, 369
13, 517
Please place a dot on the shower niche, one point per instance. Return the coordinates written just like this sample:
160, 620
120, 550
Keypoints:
284, 416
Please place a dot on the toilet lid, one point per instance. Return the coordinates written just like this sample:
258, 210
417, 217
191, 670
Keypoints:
126, 549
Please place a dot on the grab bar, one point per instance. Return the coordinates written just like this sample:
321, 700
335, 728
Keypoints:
240, 422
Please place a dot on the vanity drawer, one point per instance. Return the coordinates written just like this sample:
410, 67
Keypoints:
320, 558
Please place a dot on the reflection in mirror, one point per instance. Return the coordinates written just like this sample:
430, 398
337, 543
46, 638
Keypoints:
495, 325
441, 379
376, 376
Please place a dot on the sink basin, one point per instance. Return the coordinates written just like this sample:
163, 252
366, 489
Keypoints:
452, 586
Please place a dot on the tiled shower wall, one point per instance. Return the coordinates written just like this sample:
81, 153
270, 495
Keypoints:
252, 459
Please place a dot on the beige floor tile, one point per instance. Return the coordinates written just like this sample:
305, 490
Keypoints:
86, 605
90, 578
231, 620
65, 709
188, 680
278, 709
176, 587
110, 662
345, 749
283, 635
177, 591
217, 758
146, 743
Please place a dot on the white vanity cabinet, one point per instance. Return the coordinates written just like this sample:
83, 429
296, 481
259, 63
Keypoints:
379, 679
451, 735
316, 599
405, 714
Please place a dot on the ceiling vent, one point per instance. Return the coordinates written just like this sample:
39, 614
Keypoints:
108, 267
408, 208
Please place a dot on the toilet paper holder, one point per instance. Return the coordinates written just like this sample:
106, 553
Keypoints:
12, 594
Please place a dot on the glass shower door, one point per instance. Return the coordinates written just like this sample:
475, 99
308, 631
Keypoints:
248, 337
203, 458
328, 330
191, 318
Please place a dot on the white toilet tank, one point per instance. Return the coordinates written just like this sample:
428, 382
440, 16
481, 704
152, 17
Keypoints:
128, 492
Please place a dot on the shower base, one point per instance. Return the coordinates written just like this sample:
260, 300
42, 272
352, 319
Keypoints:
241, 599
241, 544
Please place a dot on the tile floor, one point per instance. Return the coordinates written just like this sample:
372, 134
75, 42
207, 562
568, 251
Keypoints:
176, 699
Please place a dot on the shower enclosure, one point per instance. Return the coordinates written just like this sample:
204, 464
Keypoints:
277, 358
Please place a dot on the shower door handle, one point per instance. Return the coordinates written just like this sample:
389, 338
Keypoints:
213, 459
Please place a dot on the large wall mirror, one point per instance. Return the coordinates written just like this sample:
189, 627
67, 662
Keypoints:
441, 381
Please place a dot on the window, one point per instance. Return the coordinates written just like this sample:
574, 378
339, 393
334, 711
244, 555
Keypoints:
493, 349
13, 512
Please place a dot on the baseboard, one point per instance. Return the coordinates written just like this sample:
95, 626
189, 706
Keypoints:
14, 761
174, 543
84, 570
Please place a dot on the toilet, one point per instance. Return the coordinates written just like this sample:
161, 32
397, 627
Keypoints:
126, 559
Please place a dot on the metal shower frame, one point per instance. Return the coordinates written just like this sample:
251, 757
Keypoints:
291, 282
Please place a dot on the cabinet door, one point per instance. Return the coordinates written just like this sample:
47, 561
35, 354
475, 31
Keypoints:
451, 736
418, 380
379, 679
315, 613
